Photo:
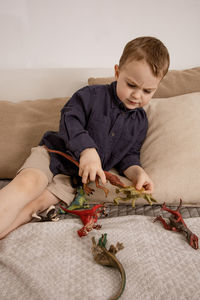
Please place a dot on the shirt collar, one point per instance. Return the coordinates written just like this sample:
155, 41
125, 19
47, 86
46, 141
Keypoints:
116, 101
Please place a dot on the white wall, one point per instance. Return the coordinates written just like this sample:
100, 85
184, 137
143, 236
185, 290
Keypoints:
92, 33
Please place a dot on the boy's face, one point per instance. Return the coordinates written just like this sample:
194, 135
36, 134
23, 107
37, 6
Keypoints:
136, 83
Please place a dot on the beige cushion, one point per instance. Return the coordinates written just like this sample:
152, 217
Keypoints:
171, 151
174, 83
21, 127
100, 80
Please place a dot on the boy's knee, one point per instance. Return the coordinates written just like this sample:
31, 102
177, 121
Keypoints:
30, 178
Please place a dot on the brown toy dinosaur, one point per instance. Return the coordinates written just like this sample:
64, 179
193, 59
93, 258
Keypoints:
107, 258
113, 179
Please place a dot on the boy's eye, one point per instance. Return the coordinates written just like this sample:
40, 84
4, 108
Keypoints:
131, 85
147, 91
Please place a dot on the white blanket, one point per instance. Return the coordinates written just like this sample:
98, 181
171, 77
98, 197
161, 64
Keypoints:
49, 261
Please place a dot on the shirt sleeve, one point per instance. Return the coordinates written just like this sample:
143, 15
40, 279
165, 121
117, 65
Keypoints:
74, 117
133, 156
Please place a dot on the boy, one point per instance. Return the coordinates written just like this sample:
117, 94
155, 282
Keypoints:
101, 127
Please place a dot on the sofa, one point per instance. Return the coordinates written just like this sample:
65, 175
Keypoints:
48, 260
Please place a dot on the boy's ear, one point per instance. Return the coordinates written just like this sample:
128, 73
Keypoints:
116, 72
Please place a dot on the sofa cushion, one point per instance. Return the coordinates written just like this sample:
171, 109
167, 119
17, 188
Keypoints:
173, 84
22, 126
171, 151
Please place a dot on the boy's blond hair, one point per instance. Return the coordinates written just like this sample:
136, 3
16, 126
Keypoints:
152, 50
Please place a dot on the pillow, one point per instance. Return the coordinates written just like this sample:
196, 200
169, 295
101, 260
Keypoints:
22, 127
173, 84
171, 151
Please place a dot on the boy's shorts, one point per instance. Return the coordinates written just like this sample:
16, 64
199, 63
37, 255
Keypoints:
59, 185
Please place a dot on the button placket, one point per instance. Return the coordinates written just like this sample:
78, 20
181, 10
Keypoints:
117, 126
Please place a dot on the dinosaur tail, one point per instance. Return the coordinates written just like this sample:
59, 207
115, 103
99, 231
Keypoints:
74, 212
123, 283
80, 212
119, 266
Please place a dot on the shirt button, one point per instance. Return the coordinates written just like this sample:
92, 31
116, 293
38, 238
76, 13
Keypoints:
112, 134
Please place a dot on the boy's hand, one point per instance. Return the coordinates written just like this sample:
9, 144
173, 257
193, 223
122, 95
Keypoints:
139, 178
90, 166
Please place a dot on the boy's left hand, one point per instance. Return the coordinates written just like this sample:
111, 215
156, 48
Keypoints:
139, 178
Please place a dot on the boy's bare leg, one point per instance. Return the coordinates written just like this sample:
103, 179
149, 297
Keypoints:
24, 188
43, 202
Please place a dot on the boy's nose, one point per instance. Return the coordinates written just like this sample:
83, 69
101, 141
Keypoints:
136, 94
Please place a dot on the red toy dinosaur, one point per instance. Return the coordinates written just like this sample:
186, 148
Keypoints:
176, 223
89, 217
113, 179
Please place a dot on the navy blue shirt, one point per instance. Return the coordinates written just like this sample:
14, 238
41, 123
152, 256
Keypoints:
95, 117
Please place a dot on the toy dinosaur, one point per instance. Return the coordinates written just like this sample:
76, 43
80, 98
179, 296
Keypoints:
133, 194
79, 201
176, 223
51, 215
107, 258
89, 217
113, 179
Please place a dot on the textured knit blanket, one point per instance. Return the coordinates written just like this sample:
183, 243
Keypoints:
48, 261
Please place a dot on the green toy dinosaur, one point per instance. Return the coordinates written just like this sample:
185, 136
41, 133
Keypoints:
107, 258
133, 194
79, 202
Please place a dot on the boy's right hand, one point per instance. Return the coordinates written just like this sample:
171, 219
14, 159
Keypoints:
90, 166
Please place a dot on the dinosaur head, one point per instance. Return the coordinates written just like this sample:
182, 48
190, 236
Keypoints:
193, 240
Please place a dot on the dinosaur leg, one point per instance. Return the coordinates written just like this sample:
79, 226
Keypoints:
87, 228
106, 191
166, 226
97, 226
87, 189
82, 232
180, 204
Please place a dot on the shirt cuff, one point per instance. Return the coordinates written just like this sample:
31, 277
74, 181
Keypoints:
127, 162
77, 145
